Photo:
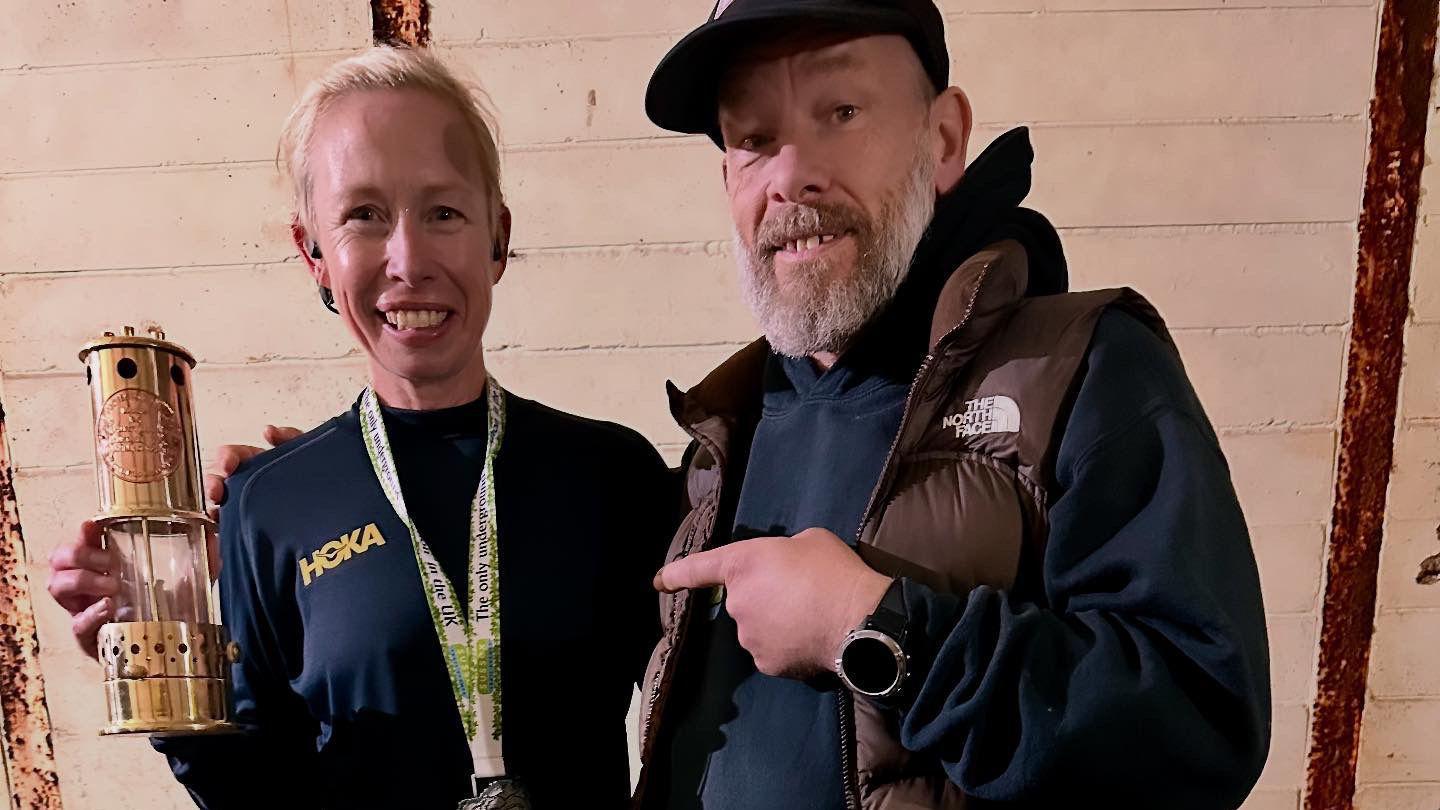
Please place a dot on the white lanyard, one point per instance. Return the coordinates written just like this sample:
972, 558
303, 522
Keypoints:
471, 648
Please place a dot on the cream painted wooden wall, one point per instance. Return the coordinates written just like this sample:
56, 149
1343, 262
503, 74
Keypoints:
1207, 152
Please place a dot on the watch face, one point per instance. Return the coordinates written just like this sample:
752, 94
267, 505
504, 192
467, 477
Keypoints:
870, 665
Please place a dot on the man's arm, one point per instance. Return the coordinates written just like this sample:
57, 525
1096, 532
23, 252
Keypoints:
1143, 675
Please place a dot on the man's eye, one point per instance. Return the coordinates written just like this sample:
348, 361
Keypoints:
750, 143
845, 112
363, 213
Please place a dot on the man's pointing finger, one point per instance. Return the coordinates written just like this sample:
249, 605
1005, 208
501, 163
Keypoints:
702, 569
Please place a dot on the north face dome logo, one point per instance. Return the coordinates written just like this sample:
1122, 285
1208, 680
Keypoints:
996, 414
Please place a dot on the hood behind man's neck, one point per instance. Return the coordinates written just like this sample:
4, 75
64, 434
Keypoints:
983, 208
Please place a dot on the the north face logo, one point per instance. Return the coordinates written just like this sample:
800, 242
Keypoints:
720, 8
996, 414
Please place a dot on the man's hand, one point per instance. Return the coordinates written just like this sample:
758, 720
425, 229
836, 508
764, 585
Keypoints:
231, 456
228, 459
81, 577
793, 599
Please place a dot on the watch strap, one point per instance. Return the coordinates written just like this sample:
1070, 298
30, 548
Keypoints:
891, 616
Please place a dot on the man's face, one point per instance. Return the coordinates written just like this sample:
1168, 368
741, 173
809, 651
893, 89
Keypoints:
830, 169
403, 218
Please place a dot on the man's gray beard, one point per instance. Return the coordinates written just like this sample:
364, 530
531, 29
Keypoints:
812, 312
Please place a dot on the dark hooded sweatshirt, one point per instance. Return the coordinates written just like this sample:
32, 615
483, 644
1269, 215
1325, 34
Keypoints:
741, 739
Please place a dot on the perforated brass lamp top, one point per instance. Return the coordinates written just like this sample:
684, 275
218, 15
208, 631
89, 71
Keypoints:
146, 445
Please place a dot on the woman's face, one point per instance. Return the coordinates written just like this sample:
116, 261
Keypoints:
408, 240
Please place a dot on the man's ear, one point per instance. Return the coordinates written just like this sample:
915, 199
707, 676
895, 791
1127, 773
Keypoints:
951, 120
305, 245
500, 249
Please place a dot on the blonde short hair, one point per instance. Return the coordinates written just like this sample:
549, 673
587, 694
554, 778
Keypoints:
384, 67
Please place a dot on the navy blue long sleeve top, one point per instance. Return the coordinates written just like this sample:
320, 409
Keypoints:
341, 687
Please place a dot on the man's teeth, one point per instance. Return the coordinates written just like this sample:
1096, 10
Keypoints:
809, 243
415, 318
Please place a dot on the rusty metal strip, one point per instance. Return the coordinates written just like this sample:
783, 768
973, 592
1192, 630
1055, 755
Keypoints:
1403, 73
401, 22
29, 755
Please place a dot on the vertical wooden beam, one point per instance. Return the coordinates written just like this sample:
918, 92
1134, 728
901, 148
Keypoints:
401, 22
28, 752
1403, 72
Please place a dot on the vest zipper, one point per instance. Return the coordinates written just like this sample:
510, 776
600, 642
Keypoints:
677, 622
849, 774
920, 376
660, 668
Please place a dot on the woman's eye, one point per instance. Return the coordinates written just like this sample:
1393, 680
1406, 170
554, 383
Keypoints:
845, 112
363, 213
446, 214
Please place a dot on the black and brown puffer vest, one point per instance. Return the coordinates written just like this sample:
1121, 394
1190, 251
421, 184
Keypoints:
961, 501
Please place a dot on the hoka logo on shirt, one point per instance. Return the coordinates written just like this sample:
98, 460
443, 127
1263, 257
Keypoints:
339, 550
996, 414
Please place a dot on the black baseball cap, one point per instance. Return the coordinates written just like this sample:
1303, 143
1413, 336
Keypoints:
682, 96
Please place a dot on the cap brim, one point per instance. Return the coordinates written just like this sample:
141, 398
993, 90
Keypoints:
682, 95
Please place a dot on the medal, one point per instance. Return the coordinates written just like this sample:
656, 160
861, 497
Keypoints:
500, 794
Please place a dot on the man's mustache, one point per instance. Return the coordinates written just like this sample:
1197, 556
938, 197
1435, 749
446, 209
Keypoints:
800, 221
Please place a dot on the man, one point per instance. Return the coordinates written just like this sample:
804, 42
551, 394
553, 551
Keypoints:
998, 514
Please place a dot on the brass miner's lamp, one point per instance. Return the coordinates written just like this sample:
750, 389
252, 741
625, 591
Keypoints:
164, 655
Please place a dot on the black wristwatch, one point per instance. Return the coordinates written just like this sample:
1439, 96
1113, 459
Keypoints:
872, 660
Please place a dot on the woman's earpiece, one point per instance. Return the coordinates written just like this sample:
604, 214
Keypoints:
495, 252
315, 250
328, 299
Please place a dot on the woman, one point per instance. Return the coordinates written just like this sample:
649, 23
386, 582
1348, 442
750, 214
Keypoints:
342, 686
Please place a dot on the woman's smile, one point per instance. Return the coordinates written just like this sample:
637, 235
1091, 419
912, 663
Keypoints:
416, 326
